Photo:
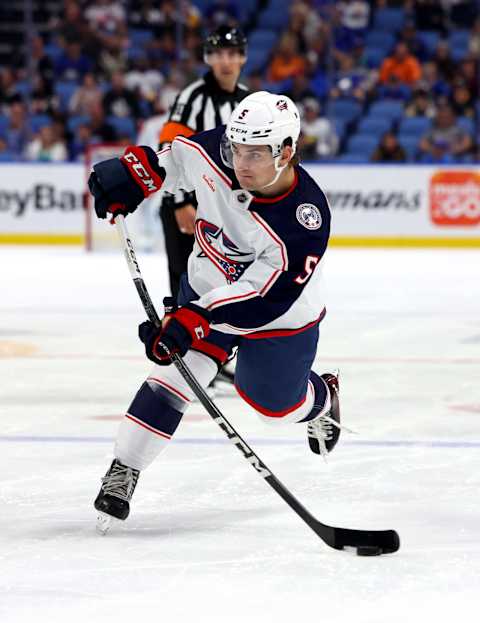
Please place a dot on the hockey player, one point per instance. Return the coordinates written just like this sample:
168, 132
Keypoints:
253, 282
202, 105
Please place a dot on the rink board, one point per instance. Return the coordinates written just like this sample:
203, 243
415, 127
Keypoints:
371, 205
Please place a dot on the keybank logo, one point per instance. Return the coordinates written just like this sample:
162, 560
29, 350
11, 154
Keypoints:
455, 198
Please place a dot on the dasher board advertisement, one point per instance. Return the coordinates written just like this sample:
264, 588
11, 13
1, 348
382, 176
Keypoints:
42, 203
402, 205
371, 205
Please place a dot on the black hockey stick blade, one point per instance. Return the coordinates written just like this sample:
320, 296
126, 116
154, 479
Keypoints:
384, 541
375, 541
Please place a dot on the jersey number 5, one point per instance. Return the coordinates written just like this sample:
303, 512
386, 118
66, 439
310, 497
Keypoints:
310, 263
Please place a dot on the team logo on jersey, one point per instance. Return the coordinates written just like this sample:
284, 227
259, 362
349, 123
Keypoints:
221, 250
309, 216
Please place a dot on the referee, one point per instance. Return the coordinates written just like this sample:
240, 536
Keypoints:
203, 105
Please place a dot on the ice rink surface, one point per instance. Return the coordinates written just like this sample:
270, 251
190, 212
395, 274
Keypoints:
207, 539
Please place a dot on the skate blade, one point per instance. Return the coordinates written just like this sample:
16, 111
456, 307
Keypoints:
104, 523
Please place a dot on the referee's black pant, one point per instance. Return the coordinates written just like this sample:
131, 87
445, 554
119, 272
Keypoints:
178, 246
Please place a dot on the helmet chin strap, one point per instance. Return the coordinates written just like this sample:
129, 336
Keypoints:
278, 170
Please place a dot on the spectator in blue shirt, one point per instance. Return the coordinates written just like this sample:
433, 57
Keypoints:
409, 35
72, 64
80, 142
352, 80
432, 82
17, 133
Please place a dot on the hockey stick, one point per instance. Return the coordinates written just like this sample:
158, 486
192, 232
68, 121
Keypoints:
366, 542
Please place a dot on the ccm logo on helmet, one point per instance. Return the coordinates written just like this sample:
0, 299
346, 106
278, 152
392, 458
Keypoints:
140, 171
239, 130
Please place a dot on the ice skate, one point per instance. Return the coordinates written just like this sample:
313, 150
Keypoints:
223, 384
113, 499
324, 431
226, 376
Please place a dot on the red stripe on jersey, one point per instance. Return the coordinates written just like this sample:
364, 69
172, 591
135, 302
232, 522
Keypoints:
273, 235
280, 197
273, 278
267, 412
146, 426
204, 155
233, 298
284, 332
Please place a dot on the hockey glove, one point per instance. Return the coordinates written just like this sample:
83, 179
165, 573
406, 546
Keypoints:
179, 330
119, 185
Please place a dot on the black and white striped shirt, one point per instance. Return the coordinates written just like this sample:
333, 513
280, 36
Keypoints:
202, 105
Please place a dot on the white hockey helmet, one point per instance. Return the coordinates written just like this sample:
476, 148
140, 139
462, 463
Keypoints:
264, 118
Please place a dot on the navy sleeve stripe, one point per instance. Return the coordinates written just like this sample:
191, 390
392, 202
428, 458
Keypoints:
278, 240
270, 282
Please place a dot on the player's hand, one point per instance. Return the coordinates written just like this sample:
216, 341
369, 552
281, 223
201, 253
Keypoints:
119, 185
104, 198
185, 217
179, 329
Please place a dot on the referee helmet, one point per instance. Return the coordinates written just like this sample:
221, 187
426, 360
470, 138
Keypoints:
225, 37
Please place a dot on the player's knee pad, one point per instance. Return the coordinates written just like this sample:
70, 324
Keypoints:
157, 409
203, 368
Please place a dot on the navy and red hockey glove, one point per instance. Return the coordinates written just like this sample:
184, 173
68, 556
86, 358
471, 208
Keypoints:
184, 326
119, 185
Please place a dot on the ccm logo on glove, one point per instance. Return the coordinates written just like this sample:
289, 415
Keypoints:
119, 185
137, 159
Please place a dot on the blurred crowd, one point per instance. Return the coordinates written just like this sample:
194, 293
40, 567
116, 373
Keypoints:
98, 69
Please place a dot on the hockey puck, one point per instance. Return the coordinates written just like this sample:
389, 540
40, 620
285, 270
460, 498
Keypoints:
369, 550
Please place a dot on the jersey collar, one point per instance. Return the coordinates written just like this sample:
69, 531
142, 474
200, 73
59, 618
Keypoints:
278, 197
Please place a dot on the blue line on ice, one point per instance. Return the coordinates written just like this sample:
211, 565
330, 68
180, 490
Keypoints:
254, 441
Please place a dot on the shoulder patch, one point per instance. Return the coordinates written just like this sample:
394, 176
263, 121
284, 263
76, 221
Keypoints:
309, 216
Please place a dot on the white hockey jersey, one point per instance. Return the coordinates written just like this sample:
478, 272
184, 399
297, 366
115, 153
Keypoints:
256, 262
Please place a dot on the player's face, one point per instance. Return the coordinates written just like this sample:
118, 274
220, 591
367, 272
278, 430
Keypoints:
254, 165
226, 63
